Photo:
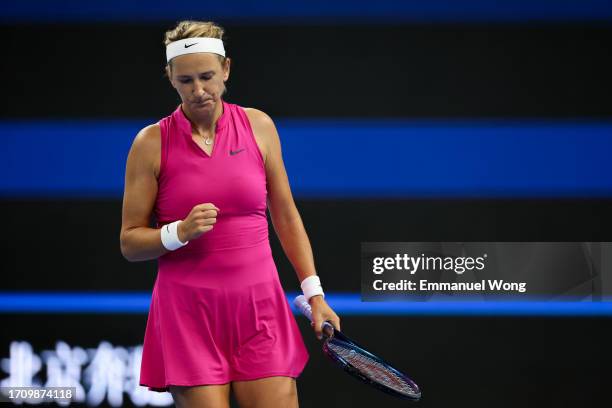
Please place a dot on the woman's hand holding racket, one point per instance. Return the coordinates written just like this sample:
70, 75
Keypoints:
321, 313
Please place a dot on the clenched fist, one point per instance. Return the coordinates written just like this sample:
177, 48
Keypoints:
200, 220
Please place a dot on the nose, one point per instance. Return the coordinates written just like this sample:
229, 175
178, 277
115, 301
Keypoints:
198, 89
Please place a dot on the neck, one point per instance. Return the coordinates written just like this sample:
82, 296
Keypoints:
204, 122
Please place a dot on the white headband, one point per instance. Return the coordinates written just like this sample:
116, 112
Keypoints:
193, 45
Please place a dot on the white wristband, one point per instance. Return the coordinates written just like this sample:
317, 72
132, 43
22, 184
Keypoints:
311, 286
169, 236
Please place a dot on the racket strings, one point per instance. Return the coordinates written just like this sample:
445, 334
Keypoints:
373, 369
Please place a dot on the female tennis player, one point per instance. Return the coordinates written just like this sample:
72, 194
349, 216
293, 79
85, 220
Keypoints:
218, 316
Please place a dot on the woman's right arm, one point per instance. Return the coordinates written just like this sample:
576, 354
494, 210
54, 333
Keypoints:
140, 242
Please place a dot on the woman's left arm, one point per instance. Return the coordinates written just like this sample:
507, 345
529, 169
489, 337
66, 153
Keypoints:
285, 216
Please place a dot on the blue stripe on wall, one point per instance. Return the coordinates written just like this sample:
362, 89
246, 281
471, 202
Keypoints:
307, 11
340, 158
345, 304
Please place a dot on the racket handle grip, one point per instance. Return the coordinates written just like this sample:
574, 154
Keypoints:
303, 306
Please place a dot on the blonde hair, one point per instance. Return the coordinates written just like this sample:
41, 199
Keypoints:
191, 28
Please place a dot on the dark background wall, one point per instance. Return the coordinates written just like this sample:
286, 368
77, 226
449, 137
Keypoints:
417, 70
84, 68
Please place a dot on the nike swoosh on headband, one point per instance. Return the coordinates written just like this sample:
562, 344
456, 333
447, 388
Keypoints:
187, 46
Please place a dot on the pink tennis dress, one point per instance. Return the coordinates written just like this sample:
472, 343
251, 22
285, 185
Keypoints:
218, 312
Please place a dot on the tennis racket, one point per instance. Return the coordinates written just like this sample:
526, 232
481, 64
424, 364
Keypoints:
360, 363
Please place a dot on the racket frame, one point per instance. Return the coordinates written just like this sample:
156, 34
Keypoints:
356, 373
331, 334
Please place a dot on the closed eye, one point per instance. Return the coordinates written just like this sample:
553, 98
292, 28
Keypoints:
204, 77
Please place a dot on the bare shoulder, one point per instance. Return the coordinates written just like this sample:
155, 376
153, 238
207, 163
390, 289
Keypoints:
148, 137
263, 129
146, 147
262, 123
259, 118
